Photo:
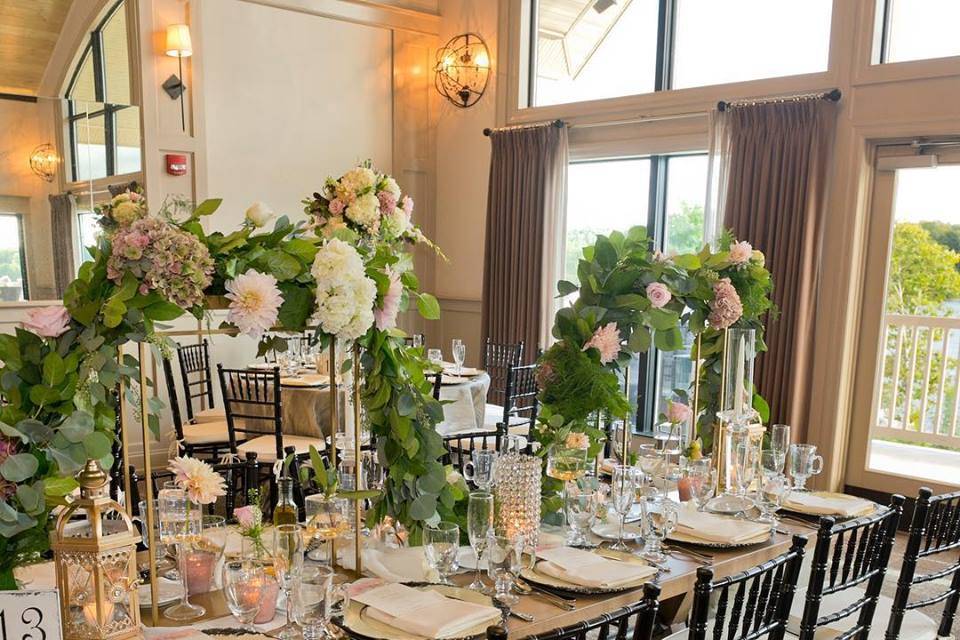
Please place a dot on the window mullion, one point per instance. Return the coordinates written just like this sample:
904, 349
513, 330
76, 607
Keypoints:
666, 30
110, 139
885, 30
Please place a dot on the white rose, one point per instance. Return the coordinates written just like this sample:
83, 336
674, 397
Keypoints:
390, 186
365, 210
259, 214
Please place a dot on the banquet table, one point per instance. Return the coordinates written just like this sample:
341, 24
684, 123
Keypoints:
467, 404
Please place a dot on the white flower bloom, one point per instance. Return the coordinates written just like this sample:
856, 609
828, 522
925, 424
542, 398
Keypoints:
365, 210
390, 186
396, 224
259, 214
202, 484
345, 295
358, 179
254, 302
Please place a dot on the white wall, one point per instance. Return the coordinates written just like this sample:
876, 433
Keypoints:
289, 98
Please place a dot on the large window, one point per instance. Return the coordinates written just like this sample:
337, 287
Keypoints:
13, 266
665, 194
918, 29
88, 231
593, 49
104, 129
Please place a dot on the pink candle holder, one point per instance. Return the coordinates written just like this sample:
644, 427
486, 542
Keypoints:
268, 600
200, 566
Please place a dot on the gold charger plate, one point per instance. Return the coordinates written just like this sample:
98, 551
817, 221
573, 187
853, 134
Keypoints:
536, 577
361, 625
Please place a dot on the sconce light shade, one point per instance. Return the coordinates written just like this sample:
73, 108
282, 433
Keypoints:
178, 41
462, 69
44, 161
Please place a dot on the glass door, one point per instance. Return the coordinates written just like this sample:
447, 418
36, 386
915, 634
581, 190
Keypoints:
906, 416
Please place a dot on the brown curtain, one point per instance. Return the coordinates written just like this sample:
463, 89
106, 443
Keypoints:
62, 211
774, 198
525, 194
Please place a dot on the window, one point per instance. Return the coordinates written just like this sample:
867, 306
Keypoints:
667, 197
104, 130
594, 49
13, 265
918, 29
88, 230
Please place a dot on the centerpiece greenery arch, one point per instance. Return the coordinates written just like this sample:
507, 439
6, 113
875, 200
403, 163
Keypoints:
629, 298
346, 268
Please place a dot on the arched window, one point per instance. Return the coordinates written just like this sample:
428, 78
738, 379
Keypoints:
103, 127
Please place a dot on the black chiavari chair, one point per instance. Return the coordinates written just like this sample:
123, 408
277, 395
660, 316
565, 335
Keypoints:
520, 401
849, 564
498, 361
255, 415
460, 445
934, 529
197, 382
205, 439
636, 619
437, 384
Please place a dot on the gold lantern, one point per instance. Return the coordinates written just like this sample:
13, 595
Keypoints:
96, 564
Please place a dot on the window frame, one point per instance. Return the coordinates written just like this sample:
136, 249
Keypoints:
648, 374
94, 48
25, 279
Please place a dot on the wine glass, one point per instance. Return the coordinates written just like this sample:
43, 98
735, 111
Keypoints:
661, 517
566, 464
180, 524
581, 506
804, 462
780, 443
288, 562
504, 565
668, 440
479, 469
459, 354
441, 546
623, 492
416, 340
651, 463
703, 481
243, 582
316, 598
745, 465
373, 470
479, 524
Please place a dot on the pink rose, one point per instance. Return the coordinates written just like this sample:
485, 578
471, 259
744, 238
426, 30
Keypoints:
658, 294
246, 516
678, 413
48, 322
741, 252
336, 206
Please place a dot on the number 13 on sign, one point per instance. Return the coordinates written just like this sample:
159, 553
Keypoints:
29, 615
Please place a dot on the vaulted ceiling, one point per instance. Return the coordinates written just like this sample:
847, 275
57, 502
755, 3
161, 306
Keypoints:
569, 31
29, 29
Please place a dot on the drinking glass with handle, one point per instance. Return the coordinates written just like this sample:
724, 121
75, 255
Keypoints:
804, 462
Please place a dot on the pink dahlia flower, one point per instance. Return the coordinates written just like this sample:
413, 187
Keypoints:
386, 315
606, 340
254, 302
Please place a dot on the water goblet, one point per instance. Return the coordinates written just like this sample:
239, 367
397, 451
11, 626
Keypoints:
773, 491
441, 546
288, 562
479, 524
435, 356
581, 506
703, 481
318, 600
651, 463
661, 516
804, 462
459, 354
623, 493
180, 524
479, 469
780, 443
243, 582
504, 564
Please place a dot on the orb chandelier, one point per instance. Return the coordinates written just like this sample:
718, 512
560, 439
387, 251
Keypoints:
44, 161
462, 70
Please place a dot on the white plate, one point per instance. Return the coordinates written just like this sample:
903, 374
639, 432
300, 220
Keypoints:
611, 530
532, 575
468, 560
168, 590
448, 380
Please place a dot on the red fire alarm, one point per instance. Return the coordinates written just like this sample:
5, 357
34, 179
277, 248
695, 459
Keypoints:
176, 164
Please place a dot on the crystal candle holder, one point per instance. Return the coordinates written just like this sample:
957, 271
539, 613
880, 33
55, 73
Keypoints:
517, 481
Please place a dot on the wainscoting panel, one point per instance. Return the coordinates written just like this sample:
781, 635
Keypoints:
460, 319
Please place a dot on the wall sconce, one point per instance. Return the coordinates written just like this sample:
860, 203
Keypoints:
44, 161
178, 46
462, 70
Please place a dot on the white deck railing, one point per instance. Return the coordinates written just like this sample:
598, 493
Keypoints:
918, 390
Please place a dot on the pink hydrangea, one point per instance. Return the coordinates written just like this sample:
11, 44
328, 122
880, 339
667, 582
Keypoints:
164, 259
386, 315
48, 322
658, 294
407, 204
725, 308
606, 340
388, 202
741, 252
678, 412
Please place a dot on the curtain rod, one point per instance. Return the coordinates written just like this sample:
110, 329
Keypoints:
833, 95
556, 123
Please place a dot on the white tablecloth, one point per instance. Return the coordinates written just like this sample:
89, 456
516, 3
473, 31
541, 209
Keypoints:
467, 405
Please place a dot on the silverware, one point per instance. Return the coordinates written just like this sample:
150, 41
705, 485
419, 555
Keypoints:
523, 587
702, 557
526, 617
798, 521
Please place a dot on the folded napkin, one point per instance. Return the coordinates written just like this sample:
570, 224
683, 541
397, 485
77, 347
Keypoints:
588, 569
711, 527
396, 565
823, 503
425, 613
451, 367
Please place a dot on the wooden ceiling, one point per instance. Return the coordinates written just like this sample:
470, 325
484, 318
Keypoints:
29, 29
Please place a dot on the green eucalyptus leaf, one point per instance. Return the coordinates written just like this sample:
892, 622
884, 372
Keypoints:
423, 507
19, 467
97, 445
53, 369
59, 486
77, 426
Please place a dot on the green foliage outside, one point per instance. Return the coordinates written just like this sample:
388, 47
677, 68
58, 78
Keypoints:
923, 272
10, 264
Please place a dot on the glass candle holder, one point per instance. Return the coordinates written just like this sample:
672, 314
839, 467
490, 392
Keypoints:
517, 495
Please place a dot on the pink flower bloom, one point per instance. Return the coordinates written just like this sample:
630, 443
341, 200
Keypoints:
407, 204
678, 413
254, 302
48, 322
388, 202
726, 308
202, 484
658, 294
741, 252
336, 206
386, 316
248, 516
606, 340
577, 440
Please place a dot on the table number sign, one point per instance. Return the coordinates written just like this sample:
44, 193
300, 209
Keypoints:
30, 615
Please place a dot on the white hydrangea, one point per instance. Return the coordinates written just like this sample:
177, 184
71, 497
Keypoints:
365, 210
358, 179
396, 223
345, 295
390, 186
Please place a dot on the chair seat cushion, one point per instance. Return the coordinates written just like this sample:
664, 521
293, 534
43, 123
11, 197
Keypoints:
206, 433
209, 415
266, 448
916, 625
